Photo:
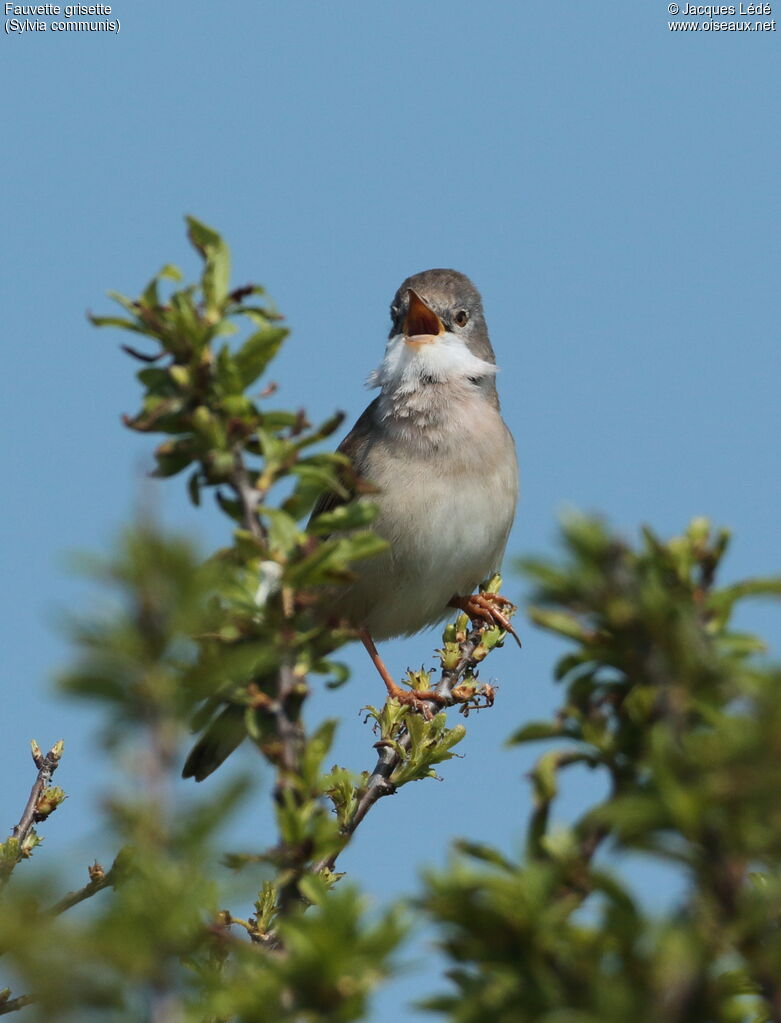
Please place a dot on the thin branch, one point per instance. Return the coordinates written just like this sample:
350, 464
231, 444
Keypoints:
97, 882
289, 731
249, 497
379, 783
14, 1004
46, 765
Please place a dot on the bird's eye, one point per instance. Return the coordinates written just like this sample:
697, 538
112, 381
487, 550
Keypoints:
461, 318
394, 311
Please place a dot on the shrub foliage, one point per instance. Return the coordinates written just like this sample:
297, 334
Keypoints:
676, 712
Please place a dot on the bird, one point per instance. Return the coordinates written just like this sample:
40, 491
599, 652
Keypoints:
444, 475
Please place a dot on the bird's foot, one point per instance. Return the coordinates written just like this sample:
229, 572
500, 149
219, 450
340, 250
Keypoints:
485, 607
419, 699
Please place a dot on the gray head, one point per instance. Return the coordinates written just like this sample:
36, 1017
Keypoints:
454, 299
438, 337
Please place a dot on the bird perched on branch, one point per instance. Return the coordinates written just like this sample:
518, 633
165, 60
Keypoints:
435, 447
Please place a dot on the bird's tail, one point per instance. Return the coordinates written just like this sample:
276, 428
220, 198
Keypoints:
221, 738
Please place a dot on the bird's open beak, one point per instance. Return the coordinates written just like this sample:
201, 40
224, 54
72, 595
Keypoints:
422, 325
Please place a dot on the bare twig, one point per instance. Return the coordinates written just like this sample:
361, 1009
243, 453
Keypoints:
99, 879
248, 495
46, 765
289, 731
14, 1004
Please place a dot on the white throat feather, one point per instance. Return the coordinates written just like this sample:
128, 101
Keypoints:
406, 368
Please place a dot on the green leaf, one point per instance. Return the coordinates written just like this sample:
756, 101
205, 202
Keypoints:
484, 853
535, 731
157, 380
216, 273
230, 505
323, 565
283, 533
257, 351
362, 545
194, 487
339, 672
190, 332
562, 622
172, 457
117, 321
741, 644
312, 482
228, 373
127, 303
277, 419
324, 430
318, 746
274, 448
345, 517
724, 600
170, 272
544, 776
150, 297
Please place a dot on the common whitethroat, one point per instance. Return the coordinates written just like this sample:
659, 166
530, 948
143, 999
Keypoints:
435, 446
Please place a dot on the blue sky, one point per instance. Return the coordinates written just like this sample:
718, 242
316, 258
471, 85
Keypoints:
609, 185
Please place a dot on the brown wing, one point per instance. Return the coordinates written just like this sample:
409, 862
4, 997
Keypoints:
355, 445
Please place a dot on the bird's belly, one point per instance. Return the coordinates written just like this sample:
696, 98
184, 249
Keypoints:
446, 534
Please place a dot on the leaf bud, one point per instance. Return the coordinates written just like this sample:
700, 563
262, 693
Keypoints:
180, 376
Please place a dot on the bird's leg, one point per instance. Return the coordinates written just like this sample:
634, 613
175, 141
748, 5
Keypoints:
414, 699
485, 607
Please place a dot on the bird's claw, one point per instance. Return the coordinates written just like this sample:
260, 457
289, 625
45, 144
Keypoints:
418, 699
484, 607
